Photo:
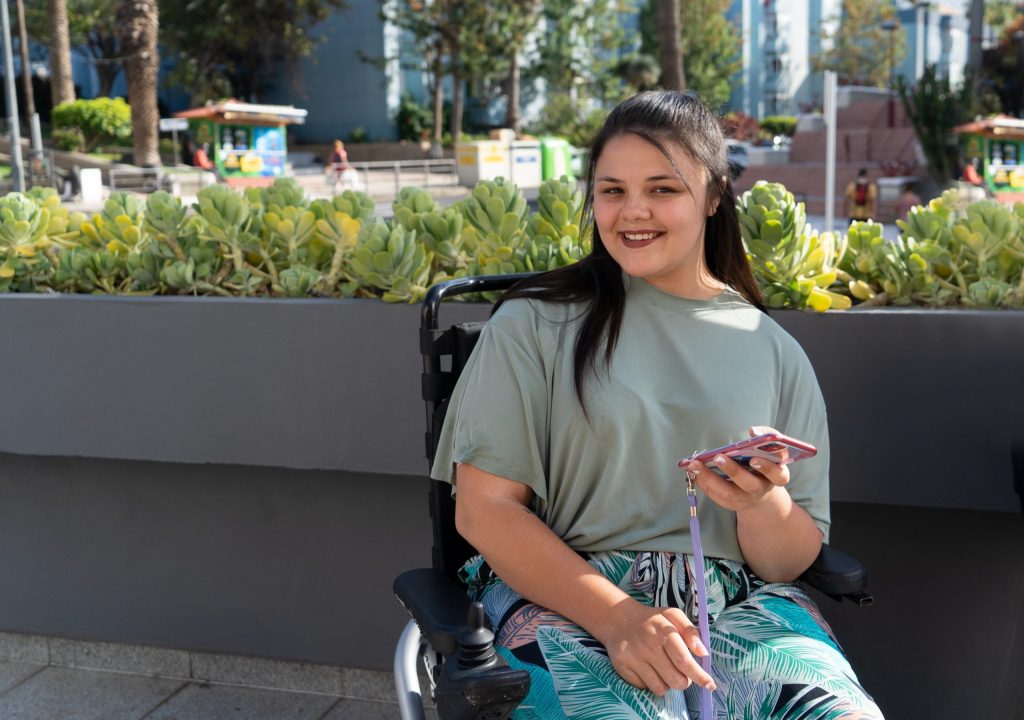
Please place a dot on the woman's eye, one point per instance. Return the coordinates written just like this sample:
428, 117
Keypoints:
663, 189
611, 191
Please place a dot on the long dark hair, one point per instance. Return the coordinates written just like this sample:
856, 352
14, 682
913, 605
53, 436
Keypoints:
663, 118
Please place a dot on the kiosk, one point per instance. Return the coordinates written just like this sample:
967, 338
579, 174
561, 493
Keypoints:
248, 143
994, 148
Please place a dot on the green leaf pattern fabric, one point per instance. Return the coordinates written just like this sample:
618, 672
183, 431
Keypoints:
773, 655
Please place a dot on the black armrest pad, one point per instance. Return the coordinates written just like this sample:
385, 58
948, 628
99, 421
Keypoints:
437, 603
836, 573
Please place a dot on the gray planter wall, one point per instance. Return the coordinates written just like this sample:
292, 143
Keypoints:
923, 405
245, 477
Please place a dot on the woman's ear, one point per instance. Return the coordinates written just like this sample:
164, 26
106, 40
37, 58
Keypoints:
713, 204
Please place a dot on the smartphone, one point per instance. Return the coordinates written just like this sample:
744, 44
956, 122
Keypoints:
775, 447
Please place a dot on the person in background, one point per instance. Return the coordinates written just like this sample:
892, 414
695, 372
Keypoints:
908, 199
201, 158
861, 197
338, 160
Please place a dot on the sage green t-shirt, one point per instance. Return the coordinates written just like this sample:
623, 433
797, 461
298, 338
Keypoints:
686, 375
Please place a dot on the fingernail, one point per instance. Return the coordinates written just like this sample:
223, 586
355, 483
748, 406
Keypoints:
699, 647
756, 464
711, 686
720, 460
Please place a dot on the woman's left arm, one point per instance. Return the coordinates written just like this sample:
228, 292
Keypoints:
778, 538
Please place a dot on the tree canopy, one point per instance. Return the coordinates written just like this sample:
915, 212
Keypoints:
864, 45
710, 45
231, 47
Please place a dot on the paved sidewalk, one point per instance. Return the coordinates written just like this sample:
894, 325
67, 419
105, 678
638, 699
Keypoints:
52, 678
45, 692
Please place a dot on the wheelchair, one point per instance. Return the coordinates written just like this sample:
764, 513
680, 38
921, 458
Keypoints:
449, 635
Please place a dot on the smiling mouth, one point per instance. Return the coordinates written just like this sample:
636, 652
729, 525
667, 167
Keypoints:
639, 239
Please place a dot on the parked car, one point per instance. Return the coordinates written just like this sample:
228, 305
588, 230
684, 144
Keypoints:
738, 157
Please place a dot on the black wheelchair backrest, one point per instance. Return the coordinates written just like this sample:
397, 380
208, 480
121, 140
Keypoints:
445, 353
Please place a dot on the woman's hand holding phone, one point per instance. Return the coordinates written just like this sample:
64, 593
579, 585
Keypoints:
743, 486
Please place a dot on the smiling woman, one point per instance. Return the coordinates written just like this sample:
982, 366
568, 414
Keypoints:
565, 461
653, 224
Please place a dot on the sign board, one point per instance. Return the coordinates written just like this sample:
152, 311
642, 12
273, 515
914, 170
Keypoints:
173, 124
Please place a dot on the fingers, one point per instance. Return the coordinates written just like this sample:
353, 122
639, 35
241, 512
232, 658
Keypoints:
663, 655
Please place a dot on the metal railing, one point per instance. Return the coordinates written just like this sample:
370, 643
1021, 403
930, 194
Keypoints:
396, 174
137, 179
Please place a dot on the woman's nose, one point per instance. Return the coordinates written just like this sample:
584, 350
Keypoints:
635, 208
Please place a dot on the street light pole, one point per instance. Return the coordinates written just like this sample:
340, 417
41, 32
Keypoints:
17, 171
890, 27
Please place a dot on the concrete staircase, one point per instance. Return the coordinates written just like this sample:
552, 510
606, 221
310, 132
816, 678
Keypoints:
864, 138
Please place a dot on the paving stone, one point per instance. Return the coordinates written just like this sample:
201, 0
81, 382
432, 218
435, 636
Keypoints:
227, 702
368, 684
350, 709
260, 672
75, 694
24, 648
12, 673
121, 658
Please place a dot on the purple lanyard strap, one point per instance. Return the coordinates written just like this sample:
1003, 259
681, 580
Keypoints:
702, 595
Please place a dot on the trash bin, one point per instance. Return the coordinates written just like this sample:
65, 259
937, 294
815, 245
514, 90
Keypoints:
526, 169
91, 183
481, 160
556, 158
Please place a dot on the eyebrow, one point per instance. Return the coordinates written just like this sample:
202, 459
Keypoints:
653, 178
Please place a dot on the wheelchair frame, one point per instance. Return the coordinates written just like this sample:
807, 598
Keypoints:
467, 679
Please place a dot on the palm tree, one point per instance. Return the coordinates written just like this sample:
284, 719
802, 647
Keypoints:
62, 88
670, 53
139, 21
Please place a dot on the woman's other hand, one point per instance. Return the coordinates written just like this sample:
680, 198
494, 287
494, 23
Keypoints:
654, 648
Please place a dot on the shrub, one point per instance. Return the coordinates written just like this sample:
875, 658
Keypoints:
106, 120
779, 125
70, 139
358, 135
414, 122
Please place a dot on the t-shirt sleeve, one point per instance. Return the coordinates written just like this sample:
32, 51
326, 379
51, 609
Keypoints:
802, 415
497, 418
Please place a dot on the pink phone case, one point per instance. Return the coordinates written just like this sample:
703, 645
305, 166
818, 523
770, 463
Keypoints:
775, 447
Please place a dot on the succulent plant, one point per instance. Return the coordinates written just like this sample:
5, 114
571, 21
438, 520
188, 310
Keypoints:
970, 254
793, 265
389, 262
229, 220
559, 210
440, 231
26, 261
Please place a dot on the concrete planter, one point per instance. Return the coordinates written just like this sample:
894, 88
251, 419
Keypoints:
245, 476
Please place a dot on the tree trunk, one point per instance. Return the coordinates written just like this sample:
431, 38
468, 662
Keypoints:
62, 87
26, 67
670, 52
456, 128
512, 115
106, 74
139, 22
436, 145
454, 59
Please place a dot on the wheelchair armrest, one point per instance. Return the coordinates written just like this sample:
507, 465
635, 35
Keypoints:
436, 602
839, 576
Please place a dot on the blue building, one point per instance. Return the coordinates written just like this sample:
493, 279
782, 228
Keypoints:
779, 41
343, 92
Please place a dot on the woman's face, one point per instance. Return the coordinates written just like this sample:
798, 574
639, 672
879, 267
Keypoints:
651, 222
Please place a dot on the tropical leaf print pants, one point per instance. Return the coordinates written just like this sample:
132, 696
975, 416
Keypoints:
773, 655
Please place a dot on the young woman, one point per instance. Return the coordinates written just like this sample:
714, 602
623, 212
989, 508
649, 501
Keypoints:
563, 436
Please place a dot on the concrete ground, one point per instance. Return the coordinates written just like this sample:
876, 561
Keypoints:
81, 682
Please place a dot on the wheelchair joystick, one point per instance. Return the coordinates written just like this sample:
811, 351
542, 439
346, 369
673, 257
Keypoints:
475, 641
476, 683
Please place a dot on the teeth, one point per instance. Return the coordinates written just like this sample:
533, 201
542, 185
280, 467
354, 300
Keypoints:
640, 236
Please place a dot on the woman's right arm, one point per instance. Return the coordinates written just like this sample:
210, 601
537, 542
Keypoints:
650, 648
